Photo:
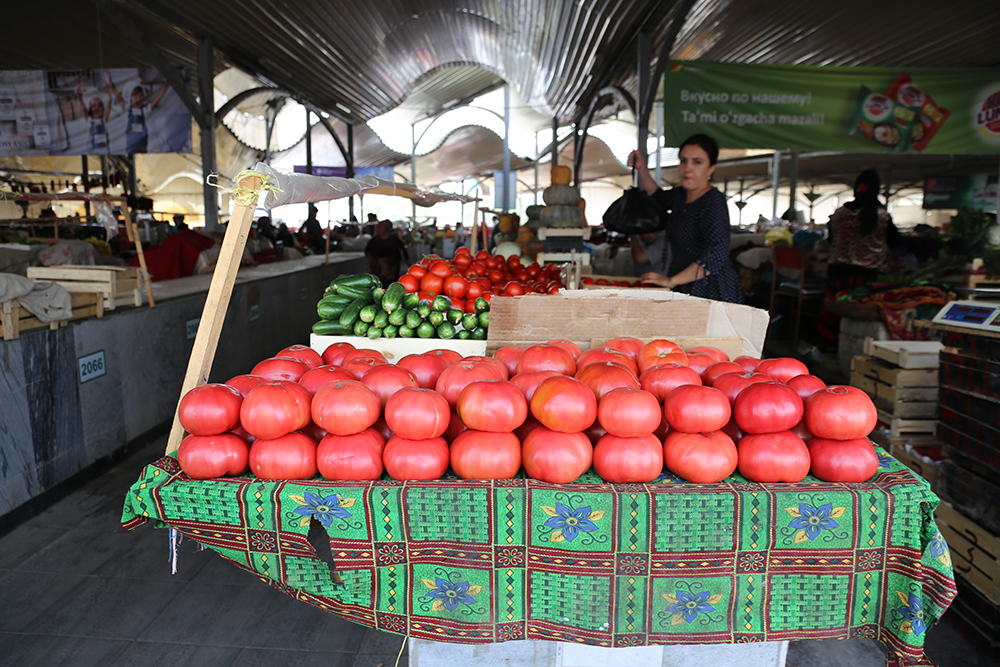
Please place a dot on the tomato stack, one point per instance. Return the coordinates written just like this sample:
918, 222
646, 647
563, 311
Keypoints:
628, 408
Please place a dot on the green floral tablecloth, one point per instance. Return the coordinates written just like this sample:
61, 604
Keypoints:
606, 564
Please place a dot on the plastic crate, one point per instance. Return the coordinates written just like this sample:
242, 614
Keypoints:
562, 244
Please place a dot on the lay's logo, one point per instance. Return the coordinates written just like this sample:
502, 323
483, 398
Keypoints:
987, 114
877, 106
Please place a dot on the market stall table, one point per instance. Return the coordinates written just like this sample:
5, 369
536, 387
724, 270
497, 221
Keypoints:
610, 565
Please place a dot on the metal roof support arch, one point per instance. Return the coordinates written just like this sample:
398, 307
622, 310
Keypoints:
206, 85
595, 104
648, 97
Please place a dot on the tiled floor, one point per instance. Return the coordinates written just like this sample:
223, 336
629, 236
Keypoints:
77, 590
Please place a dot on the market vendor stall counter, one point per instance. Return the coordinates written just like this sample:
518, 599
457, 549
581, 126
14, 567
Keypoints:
605, 564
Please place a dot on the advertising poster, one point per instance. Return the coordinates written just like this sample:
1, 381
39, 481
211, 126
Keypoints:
852, 109
91, 112
975, 190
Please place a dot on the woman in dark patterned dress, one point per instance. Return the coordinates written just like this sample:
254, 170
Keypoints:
697, 229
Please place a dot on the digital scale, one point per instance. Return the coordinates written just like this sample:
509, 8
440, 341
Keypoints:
970, 314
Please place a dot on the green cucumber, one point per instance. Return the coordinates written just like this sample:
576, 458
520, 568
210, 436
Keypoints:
436, 317
413, 319
333, 297
426, 330
360, 328
455, 315
381, 319
390, 331
351, 313
354, 280
484, 319
357, 293
406, 332
446, 330
393, 298
482, 305
463, 335
479, 333
441, 303
330, 311
324, 328
424, 309
470, 321
398, 316
411, 300
378, 294
367, 313
374, 332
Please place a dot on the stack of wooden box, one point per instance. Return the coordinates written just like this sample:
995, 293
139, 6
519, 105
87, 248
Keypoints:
114, 285
902, 379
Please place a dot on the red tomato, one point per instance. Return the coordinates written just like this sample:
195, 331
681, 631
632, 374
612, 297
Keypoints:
415, 459
663, 379
426, 296
847, 461
731, 384
597, 354
700, 362
272, 409
491, 264
546, 357
456, 286
409, 282
627, 345
564, 404
496, 406
345, 407
210, 456
450, 356
702, 458
603, 376
660, 352
210, 409
486, 455
773, 457
290, 456
417, 271
244, 383
508, 356
358, 366
456, 377
440, 268
512, 289
709, 375
362, 352
715, 352
556, 457
528, 382
767, 407
335, 353
567, 345
629, 412
425, 367
351, 457
840, 413
317, 378
303, 353
628, 460
417, 414
432, 283
455, 428
472, 292
696, 409
749, 364
281, 368
782, 369
495, 277
496, 363
386, 379
806, 385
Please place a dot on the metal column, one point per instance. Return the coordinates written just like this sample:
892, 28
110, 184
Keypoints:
507, 185
536, 169
642, 68
658, 110
793, 180
413, 170
309, 143
555, 141
775, 180
350, 168
85, 182
206, 90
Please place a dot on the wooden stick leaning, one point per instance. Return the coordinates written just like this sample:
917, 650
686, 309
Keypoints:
217, 303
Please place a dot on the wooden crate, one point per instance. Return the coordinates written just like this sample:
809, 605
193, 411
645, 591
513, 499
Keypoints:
886, 373
907, 354
14, 319
915, 463
554, 257
975, 551
117, 285
889, 387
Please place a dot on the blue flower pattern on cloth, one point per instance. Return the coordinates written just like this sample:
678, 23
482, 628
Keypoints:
685, 606
567, 523
913, 611
324, 510
810, 521
883, 460
449, 595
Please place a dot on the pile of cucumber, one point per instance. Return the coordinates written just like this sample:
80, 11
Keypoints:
358, 305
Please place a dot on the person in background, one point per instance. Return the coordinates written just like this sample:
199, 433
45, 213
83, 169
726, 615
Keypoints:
265, 230
311, 232
179, 223
860, 232
693, 257
385, 252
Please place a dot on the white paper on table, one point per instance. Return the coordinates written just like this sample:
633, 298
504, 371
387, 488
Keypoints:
581, 655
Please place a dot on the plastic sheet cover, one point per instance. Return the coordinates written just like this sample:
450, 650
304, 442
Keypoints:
301, 188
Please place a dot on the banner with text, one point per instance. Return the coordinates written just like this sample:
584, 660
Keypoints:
91, 112
855, 109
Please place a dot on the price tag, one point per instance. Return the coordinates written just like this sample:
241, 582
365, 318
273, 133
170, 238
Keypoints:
254, 313
191, 328
92, 366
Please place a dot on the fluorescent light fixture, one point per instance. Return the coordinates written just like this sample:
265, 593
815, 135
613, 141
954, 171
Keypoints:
342, 107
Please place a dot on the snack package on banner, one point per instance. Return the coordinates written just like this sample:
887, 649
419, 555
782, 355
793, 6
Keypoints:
882, 119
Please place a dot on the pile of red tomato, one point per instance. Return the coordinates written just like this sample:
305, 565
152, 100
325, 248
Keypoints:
628, 408
466, 278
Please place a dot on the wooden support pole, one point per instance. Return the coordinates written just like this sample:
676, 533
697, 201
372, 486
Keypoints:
217, 303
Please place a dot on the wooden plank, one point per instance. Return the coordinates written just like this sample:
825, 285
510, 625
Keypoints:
975, 576
907, 354
899, 427
874, 388
969, 529
914, 463
10, 317
73, 286
70, 273
220, 292
142, 258
896, 377
552, 232
910, 410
